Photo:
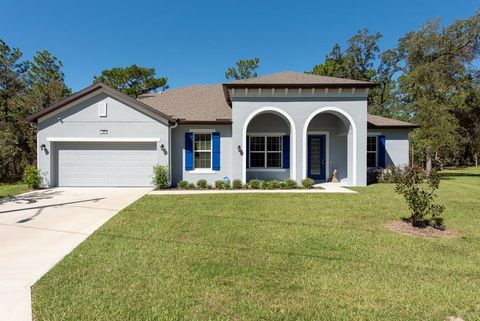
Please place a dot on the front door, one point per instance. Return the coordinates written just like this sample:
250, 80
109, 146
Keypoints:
316, 157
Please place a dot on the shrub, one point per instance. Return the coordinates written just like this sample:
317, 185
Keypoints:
254, 184
237, 184
290, 184
209, 186
265, 185
32, 177
373, 175
274, 184
161, 176
394, 174
308, 183
202, 183
191, 186
227, 185
182, 185
219, 184
419, 193
283, 185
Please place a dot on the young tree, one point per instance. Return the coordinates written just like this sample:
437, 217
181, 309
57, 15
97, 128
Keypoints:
419, 191
133, 80
244, 69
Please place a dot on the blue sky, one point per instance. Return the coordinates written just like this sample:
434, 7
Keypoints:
193, 42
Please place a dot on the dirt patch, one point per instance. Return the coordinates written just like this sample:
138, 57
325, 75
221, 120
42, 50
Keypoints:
402, 227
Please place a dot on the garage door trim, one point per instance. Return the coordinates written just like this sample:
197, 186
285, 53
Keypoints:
90, 163
101, 139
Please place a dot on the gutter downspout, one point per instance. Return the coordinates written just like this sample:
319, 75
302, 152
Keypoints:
170, 149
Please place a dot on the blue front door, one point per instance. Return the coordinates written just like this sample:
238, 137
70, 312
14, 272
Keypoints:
316, 157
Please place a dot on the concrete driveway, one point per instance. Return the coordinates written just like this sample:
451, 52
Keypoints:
39, 228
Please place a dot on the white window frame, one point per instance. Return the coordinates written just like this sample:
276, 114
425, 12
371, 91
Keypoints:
199, 169
265, 152
373, 152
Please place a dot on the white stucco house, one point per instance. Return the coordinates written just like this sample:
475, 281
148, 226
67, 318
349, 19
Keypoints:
280, 126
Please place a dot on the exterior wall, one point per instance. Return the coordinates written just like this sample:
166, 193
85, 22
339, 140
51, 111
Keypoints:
396, 145
81, 121
178, 154
299, 109
266, 175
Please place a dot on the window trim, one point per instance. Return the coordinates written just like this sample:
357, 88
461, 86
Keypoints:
194, 150
373, 152
265, 152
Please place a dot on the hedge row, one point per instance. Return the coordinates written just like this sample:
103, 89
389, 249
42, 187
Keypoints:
252, 184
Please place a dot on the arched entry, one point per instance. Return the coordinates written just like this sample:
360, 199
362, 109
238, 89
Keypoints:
329, 142
269, 136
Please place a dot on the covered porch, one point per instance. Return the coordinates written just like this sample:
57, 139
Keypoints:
328, 152
269, 136
329, 148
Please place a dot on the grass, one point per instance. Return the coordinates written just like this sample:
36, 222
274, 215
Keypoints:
272, 257
11, 189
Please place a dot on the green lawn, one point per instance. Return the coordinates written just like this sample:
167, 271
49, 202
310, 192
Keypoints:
272, 257
12, 189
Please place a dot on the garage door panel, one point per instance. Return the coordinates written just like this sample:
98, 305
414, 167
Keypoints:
106, 164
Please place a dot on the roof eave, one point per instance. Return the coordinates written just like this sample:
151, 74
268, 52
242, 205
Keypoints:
227, 86
410, 126
306, 85
87, 91
205, 122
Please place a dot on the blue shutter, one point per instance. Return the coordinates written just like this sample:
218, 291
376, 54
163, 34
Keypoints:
381, 151
216, 151
286, 151
188, 151
248, 151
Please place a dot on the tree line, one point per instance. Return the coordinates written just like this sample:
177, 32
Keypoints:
430, 78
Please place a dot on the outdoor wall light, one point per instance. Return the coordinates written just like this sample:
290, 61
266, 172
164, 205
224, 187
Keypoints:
240, 150
163, 149
42, 147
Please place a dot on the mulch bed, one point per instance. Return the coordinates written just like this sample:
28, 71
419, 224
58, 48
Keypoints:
402, 227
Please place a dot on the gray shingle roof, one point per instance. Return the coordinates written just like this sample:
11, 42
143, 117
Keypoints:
206, 103
199, 103
375, 121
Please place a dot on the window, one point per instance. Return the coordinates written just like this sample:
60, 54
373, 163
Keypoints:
266, 151
371, 151
202, 148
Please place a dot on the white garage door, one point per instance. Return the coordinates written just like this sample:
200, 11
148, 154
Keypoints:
105, 164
